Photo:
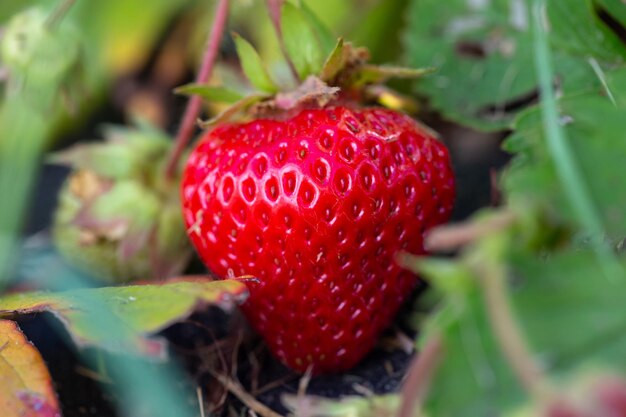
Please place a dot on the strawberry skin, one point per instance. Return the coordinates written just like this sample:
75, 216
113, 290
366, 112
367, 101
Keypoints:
316, 206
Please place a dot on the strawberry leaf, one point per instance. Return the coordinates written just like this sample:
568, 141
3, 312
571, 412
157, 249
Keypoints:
335, 62
210, 93
578, 31
373, 74
25, 387
483, 53
141, 310
302, 45
381, 31
324, 36
127, 152
597, 151
311, 90
253, 66
471, 48
567, 312
614, 8
237, 107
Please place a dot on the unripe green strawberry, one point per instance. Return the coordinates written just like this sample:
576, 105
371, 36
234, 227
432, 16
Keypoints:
118, 219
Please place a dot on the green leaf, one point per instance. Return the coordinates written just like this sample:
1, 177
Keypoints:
381, 31
108, 160
324, 35
373, 74
127, 153
237, 107
253, 66
142, 309
334, 62
447, 276
472, 361
569, 315
597, 147
207, 92
484, 54
303, 47
613, 8
579, 31
570, 311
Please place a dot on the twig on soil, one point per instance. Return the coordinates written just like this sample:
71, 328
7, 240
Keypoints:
419, 375
301, 398
249, 401
255, 369
200, 401
363, 390
91, 374
194, 104
389, 368
235, 353
399, 340
304, 381
274, 384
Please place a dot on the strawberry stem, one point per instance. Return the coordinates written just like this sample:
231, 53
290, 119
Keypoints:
420, 374
274, 10
59, 13
194, 104
508, 333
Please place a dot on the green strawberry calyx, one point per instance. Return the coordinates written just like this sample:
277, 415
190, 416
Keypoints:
325, 71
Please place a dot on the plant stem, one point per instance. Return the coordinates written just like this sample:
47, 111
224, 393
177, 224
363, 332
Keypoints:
507, 330
419, 375
248, 400
574, 185
194, 105
59, 13
454, 236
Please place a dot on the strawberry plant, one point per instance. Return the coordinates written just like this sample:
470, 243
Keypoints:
323, 179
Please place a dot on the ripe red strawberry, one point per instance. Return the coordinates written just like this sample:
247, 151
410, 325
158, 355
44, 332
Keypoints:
316, 206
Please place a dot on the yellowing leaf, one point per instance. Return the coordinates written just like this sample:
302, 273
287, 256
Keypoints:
25, 384
117, 318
